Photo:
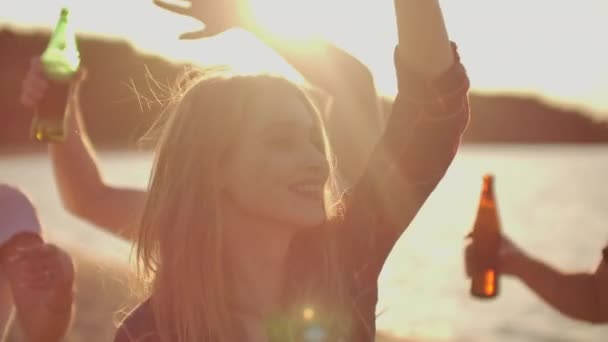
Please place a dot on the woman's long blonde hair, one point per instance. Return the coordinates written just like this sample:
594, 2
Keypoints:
180, 245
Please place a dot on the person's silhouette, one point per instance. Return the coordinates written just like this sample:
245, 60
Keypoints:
36, 278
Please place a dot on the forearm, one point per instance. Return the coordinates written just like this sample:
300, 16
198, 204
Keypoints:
48, 326
48, 320
574, 295
424, 45
428, 118
51, 327
81, 186
74, 164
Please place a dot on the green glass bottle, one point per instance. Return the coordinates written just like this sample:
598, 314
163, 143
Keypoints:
60, 62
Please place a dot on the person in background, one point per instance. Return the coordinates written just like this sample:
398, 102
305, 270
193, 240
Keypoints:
354, 120
36, 278
243, 237
578, 295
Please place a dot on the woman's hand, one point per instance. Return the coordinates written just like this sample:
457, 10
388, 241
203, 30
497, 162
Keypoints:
217, 15
35, 84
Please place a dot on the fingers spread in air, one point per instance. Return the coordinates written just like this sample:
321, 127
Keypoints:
174, 7
196, 34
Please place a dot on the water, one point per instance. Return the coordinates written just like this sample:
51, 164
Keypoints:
553, 202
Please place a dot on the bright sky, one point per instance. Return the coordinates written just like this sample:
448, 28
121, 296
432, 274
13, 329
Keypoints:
555, 49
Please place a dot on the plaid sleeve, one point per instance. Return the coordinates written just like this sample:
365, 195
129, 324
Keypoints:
420, 141
428, 119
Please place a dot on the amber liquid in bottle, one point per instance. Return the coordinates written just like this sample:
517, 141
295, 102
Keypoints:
486, 242
49, 120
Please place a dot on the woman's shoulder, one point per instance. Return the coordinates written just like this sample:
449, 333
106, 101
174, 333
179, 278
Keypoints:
138, 326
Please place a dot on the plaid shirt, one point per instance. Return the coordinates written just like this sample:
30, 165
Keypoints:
421, 139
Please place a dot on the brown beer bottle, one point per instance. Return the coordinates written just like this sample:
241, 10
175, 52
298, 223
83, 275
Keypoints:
60, 62
486, 242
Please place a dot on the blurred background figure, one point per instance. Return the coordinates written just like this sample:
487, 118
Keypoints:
36, 278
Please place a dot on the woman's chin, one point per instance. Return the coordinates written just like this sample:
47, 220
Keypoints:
310, 218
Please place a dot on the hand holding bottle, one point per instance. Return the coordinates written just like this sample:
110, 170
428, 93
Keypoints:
35, 86
507, 252
486, 242
59, 63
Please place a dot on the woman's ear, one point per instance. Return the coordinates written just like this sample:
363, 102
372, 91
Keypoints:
17, 214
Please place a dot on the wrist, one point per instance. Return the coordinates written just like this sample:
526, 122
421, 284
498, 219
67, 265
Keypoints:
512, 262
61, 300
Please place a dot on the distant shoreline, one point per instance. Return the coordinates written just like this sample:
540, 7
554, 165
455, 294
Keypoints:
32, 149
117, 118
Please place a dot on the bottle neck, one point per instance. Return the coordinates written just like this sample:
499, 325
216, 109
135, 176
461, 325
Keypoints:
488, 187
487, 192
64, 15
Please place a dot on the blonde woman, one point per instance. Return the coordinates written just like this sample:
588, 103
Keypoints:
242, 238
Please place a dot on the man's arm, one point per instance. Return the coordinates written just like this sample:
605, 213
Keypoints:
582, 296
601, 288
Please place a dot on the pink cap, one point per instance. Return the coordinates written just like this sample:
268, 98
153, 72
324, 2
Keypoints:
17, 214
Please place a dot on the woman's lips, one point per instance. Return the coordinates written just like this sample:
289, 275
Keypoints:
309, 189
